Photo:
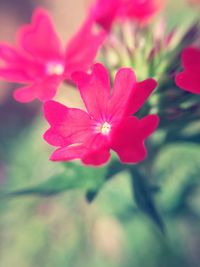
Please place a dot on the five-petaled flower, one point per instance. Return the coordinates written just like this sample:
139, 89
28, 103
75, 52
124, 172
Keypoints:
189, 78
108, 122
105, 12
39, 60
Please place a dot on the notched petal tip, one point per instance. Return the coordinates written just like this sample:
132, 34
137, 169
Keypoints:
54, 111
133, 158
96, 157
149, 124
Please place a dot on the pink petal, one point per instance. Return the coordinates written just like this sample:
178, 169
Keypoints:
39, 38
104, 12
18, 66
25, 94
43, 90
10, 54
189, 82
94, 90
54, 112
124, 84
93, 151
140, 94
191, 59
189, 79
46, 88
98, 150
96, 157
14, 64
69, 125
128, 138
67, 153
148, 125
128, 95
139, 10
14, 75
82, 48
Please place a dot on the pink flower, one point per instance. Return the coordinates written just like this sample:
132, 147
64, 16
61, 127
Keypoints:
140, 10
194, 2
41, 63
107, 122
105, 12
189, 78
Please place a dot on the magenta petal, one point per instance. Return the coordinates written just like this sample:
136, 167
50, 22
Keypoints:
42, 30
104, 12
149, 124
92, 152
14, 64
98, 150
94, 90
127, 141
10, 54
14, 75
67, 153
189, 79
139, 10
191, 59
82, 48
189, 82
96, 157
54, 112
124, 84
140, 94
69, 125
45, 90
128, 138
25, 94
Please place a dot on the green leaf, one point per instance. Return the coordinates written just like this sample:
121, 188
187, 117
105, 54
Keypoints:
75, 176
144, 198
177, 170
114, 168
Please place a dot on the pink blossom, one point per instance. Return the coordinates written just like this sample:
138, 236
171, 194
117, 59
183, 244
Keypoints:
107, 122
105, 12
189, 78
41, 63
140, 10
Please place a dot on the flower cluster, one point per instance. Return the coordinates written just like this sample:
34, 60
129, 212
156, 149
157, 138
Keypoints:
106, 12
41, 63
114, 117
107, 123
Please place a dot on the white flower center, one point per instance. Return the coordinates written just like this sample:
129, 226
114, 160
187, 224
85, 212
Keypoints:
54, 68
105, 128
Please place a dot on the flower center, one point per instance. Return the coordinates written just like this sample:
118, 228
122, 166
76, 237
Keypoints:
54, 68
105, 128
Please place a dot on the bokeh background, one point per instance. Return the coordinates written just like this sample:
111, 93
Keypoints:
66, 231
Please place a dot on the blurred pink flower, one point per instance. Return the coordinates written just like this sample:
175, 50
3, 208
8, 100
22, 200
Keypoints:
194, 2
41, 63
140, 10
105, 12
189, 78
108, 122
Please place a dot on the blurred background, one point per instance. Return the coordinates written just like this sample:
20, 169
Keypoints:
65, 230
